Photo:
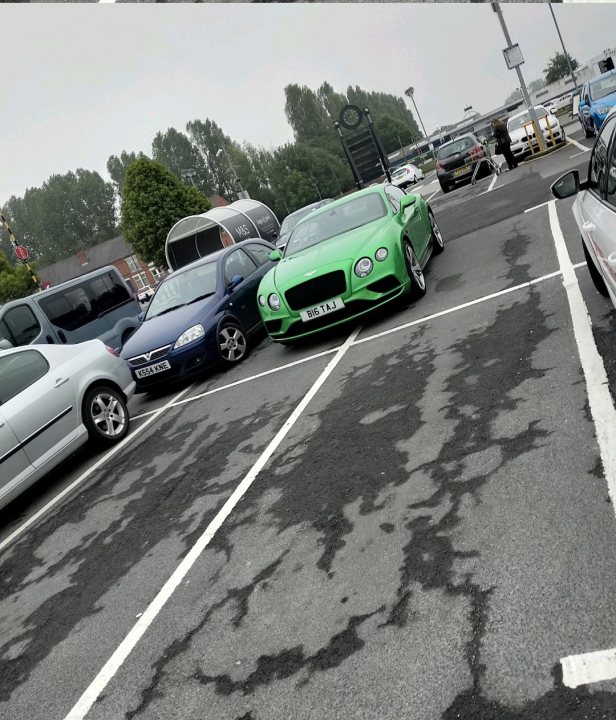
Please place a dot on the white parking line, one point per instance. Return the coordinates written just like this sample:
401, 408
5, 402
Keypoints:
426, 318
250, 378
490, 187
578, 145
436, 192
595, 666
100, 682
86, 474
577, 154
535, 207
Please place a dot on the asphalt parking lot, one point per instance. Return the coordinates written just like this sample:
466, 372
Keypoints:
406, 519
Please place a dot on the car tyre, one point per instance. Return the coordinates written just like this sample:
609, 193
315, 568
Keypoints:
105, 415
595, 275
232, 343
589, 132
436, 237
415, 273
445, 188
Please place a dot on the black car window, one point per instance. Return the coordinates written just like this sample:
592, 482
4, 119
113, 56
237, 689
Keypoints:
598, 159
238, 263
394, 195
22, 325
610, 194
20, 370
458, 146
259, 252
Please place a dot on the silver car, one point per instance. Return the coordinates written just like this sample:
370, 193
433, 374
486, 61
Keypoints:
595, 208
53, 399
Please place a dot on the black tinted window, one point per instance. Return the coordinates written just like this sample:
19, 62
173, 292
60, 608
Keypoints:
83, 303
18, 371
455, 147
20, 325
599, 159
259, 252
238, 263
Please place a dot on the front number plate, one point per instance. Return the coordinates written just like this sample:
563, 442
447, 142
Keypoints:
323, 309
152, 369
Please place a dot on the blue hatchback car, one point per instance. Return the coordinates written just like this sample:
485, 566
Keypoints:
201, 314
597, 98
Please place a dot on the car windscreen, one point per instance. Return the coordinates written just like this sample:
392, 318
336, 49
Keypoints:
336, 220
291, 220
457, 146
605, 86
184, 288
517, 122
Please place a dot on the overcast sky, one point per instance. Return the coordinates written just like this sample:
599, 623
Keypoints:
83, 82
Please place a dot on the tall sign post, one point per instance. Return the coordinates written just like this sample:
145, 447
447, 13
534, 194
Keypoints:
362, 147
513, 59
21, 252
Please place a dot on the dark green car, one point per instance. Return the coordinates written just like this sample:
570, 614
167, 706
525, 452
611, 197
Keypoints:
347, 259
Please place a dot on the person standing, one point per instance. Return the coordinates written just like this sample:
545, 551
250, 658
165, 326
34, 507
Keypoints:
503, 142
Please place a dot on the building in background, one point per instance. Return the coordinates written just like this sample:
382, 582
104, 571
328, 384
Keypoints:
137, 273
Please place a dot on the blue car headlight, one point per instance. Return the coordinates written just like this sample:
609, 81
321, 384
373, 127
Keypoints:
193, 333
604, 110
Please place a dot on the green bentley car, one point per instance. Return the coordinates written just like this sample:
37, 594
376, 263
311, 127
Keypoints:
348, 258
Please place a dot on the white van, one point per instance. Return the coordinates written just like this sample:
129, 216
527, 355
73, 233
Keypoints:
98, 305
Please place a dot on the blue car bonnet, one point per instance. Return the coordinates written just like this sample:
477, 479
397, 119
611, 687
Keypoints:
166, 329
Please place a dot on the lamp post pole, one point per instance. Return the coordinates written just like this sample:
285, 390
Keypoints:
241, 193
410, 92
564, 49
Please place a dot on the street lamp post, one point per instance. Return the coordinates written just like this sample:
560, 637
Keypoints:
410, 92
529, 106
189, 175
564, 49
241, 193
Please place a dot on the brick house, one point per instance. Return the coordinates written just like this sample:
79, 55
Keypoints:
116, 251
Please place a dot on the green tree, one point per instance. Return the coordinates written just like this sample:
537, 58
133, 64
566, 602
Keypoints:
116, 167
69, 212
176, 152
307, 116
558, 68
392, 133
15, 280
153, 201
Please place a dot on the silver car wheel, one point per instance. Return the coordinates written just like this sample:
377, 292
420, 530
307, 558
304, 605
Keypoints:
436, 232
107, 414
414, 266
232, 343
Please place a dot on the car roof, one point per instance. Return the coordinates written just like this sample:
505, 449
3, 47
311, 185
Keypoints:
215, 256
592, 81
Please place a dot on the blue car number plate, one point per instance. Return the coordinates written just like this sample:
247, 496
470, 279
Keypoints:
323, 309
152, 369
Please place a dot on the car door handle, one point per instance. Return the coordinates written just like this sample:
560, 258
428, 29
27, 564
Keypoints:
588, 226
60, 381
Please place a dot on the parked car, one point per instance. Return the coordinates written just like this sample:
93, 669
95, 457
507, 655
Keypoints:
523, 140
98, 305
456, 160
406, 175
597, 98
54, 398
145, 294
344, 260
594, 208
556, 105
201, 314
291, 221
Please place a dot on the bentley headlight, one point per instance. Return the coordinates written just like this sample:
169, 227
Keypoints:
363, 267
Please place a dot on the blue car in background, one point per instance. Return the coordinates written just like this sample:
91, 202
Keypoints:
597, 98
201, 314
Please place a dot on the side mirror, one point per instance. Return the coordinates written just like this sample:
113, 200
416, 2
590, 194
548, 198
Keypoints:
406, 202
275, 255
141, 316
567, 185
234, 282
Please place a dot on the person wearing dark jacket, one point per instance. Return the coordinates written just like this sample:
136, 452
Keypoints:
503, 142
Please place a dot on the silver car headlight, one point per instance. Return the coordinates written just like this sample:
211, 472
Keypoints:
363, 267
262, 300
274, 302
381, 254
193, 333
603, 110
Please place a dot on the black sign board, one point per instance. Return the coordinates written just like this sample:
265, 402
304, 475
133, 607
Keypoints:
261, 216
362, 147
